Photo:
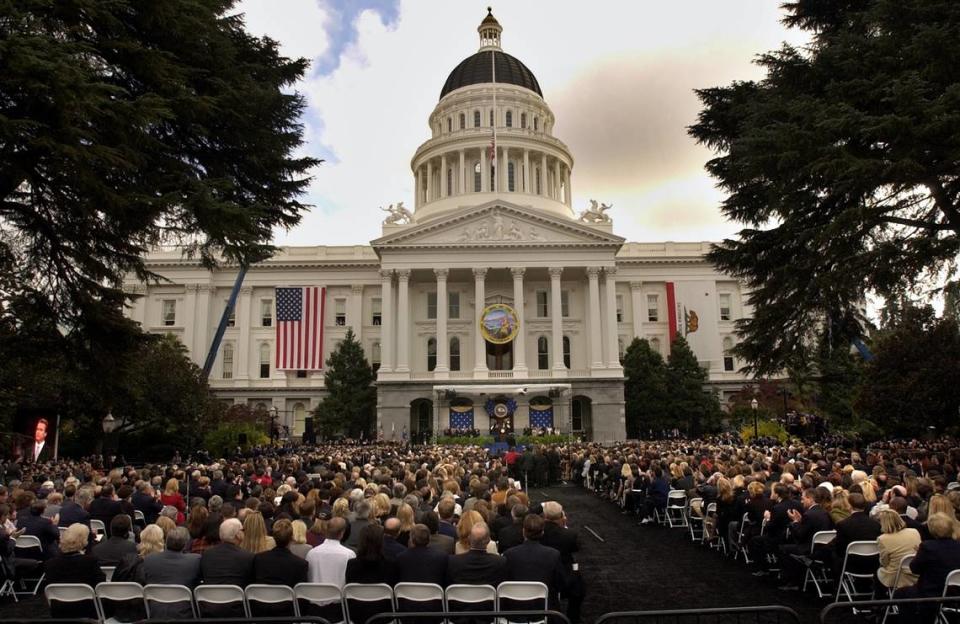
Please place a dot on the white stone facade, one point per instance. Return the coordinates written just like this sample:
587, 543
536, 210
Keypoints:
479, 234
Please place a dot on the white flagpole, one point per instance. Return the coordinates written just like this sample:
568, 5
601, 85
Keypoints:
496, 165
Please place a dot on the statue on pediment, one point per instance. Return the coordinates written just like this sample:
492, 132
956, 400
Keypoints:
596, 214
398, 215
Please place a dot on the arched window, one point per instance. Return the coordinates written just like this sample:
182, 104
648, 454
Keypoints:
655, 345
476, 178
449, 124
476, 119
509, 119
536, 124
620, 348
228, 360
449, 181
431, 354
454, 354
463, 121
566, 351
543, 353
491, 117
375, 356
265, 360
511, 177
728, 363
523, 120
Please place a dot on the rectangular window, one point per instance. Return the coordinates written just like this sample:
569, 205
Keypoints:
301, 374
653, 308
169, 314
266, 312
375, 356
453, 305
232, 319
376, 311
455, 354
228, 361
264, 361
725, 299
543, 305
543, 354
431, 305
621, 348
340, 312
565, 303
728, 363
576, 415
619, 308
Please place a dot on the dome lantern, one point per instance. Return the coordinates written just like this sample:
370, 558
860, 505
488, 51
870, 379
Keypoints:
489, 30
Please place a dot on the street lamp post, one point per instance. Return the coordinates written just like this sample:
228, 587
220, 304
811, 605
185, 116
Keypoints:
274, 428
109, 424
756, 423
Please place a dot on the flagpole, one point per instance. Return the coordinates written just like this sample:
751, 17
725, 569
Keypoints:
496, 165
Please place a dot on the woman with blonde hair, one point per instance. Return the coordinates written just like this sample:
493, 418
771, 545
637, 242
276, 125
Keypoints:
166, 525
341, 508
299, 545
171, 496
407, 518
255, 538
381, 506
151, 540
896, 541
840, 508
938, 504
466, 523
73, 565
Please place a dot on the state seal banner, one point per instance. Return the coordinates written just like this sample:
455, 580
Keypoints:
300, 328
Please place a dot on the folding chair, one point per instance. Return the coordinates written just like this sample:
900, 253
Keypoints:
166, 595
29, 551
721, 543
73, 594
108, 571
270, 600
530, 596
109, 593
816, 572
361, 601
418, 597
139, 518
471, 598
98, 528
676, 508
953, 580
320, 599
904, 565
739, 548
215, 600
848, 580
695, 523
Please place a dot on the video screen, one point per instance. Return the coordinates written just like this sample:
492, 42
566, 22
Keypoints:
37, 439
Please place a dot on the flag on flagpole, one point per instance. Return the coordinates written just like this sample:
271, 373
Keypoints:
300, 328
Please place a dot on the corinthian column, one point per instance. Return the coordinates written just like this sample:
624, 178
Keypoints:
520, 342
479, 345
556, 320
596, 336
403, 321
610, 285
386, 321
443, 347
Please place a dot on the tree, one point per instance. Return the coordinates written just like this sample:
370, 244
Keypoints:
351, 402
645, 389
912, 381
691, 407
842, 165
840, 373
127, 124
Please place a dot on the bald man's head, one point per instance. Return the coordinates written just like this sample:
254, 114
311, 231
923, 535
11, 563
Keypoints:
392, 527
479, 536
335, 528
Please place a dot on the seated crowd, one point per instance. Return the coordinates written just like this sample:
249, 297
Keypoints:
378, 513
767, 504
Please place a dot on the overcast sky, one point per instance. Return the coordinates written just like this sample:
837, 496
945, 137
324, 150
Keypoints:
619, 76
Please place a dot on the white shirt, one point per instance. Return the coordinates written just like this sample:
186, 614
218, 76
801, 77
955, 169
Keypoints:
328, 562
37, 447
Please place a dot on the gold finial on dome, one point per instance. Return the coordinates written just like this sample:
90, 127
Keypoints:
490, 30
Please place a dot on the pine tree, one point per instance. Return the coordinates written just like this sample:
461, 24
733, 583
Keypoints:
645, 389
691, 407
351, 402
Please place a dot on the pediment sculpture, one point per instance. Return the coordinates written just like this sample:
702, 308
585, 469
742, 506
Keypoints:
494, 229
596, 214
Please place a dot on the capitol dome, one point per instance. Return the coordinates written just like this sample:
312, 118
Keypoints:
478, 69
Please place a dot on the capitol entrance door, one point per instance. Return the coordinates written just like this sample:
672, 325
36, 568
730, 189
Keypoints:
499, 356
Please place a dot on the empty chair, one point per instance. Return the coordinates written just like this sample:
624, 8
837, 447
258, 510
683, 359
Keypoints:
320, 600
522, 596
169, 602
816, 571
220, 601
858, 584
471, 598
418, 597
98, 528
29, 556
121, 602
676, 508
270, 600
72, 600
950, 586
739, 546
364, 600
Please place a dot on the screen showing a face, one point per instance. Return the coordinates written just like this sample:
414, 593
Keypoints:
38, 435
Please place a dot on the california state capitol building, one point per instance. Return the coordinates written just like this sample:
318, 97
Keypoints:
489, 298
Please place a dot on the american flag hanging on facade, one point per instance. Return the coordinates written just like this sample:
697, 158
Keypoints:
461, 419
300, 328
541, 418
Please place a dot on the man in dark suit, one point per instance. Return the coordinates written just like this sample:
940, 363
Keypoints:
356, 526
227, 563
172, 566
512, 535
279, 566
39, 450
477, 566
33, 523
802, 529
391, 547
105, 507
442, 543
145, 501
112, 550
857, 527
74, 507
557, 535
420, 563
532, 561
774, 535
446, 509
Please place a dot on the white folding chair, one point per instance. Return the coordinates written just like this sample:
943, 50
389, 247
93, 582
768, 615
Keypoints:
360, 598
676, 508
98, 528
108, 572
320, 599
418, 597
953, 580
531, 596
219, 596
62, 531
72, 593
108, 593
167, 595
721, 543
903, 566
848, 580
739, 548
471, 598
277, 596
695, 523
816, 572
139, 518
30, 549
